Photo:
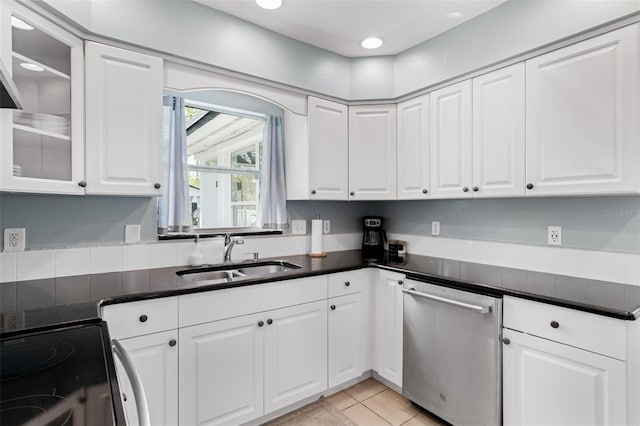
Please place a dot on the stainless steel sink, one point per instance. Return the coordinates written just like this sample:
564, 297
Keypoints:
227, 272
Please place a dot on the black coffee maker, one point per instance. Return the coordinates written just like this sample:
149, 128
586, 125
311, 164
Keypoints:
373, 238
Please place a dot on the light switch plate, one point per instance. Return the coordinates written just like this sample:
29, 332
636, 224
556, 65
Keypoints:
298, 227
131, 234
14, 239
435, 228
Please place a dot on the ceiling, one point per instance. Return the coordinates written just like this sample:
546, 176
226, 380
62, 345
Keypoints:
340, 25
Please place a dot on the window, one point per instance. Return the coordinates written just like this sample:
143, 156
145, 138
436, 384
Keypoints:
224, 154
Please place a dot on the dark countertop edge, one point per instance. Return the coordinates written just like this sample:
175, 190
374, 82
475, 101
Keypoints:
239, 233
51, 327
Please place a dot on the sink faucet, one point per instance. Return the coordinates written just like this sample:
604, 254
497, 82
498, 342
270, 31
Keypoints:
229, 242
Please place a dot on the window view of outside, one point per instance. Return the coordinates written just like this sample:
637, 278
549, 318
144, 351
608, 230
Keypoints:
224, 153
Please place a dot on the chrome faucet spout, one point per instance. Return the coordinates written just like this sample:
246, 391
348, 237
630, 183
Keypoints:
229, 242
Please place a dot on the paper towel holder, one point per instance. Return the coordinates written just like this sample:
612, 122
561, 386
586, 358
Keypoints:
316, 238
323, 254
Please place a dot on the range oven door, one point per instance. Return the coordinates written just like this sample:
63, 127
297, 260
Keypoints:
452, 353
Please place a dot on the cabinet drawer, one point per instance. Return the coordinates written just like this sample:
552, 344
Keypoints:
595, 333
198, 308
144, 317
347, 282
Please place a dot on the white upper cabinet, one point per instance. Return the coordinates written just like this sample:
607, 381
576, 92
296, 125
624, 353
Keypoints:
328, 150
413, 149
450, 140
42, 145
124, 122
498, 133
372, 152
582, 117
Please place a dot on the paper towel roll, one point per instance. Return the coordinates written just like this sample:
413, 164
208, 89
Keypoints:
316, 236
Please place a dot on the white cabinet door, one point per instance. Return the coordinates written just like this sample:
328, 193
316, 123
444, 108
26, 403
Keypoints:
155, 359
450, 140
413, 149
221, 371
372, 152
347, 338
498, 133
328, 150
548, 383
295, 358
124, 121
388, 311
582, 117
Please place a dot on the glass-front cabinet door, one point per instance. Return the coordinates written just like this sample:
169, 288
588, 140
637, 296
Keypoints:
42, 145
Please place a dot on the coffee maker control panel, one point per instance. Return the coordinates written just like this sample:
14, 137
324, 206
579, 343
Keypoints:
372, 222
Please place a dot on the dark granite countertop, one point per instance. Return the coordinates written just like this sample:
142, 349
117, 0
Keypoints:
603, 298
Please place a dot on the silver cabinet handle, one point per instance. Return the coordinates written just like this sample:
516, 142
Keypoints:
144, 418
475, 308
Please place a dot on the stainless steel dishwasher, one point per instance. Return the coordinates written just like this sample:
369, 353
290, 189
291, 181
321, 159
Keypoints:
452, 353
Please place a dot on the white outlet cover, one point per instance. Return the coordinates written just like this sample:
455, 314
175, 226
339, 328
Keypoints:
554, 235
298, 227
14, 239
131, 234
326, 226
435, 228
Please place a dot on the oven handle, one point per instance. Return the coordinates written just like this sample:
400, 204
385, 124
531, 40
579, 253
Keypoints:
475, 308
144, 419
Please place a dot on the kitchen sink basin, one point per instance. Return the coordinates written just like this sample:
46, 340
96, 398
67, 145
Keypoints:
227, 272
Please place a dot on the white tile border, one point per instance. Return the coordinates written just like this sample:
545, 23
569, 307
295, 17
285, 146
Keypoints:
592, 264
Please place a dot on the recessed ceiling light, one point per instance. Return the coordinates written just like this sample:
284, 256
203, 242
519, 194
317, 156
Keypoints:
19, 23
31, 67
454, 15
371, 43
269, 4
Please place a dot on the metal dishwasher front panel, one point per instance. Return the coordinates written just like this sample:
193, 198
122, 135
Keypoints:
452, 353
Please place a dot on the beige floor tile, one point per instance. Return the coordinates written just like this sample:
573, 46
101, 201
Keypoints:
423, 420
362, 416
341, 400
366, 389
391, 406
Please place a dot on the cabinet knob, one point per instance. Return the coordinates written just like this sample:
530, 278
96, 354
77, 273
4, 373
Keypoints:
124, 397
143, 318
260, 323
529, 186
506, 341
333, 307
400, 282
424, 191
465, 189
269, 321
157, 185
554, 324
347, 283
476, 189
172, 342
352, 193
82, 184
313, 192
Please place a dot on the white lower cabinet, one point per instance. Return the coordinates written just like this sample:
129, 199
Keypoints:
388, 312
549, 383
155, 359
221, 371
347, 338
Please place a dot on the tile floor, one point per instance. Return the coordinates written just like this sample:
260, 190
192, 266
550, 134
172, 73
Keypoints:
369, 403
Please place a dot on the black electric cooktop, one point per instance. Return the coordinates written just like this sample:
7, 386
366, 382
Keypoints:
58, 377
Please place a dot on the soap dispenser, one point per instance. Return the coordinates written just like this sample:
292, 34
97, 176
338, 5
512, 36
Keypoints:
196, 257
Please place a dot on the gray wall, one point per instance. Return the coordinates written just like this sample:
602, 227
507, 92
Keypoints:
600, 223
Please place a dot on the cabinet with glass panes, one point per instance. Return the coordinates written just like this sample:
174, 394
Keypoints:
42, 145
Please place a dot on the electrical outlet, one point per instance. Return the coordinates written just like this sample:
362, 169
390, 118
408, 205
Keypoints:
298, 227
131, 234
435, 228
326, 226
14, 239
554, 235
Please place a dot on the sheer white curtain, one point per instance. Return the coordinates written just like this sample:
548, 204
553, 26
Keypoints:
273, 194
174, 207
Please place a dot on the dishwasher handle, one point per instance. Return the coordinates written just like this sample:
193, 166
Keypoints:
475, 308
144, 418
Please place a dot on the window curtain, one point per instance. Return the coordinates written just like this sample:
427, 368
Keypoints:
174, 207
273, 198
